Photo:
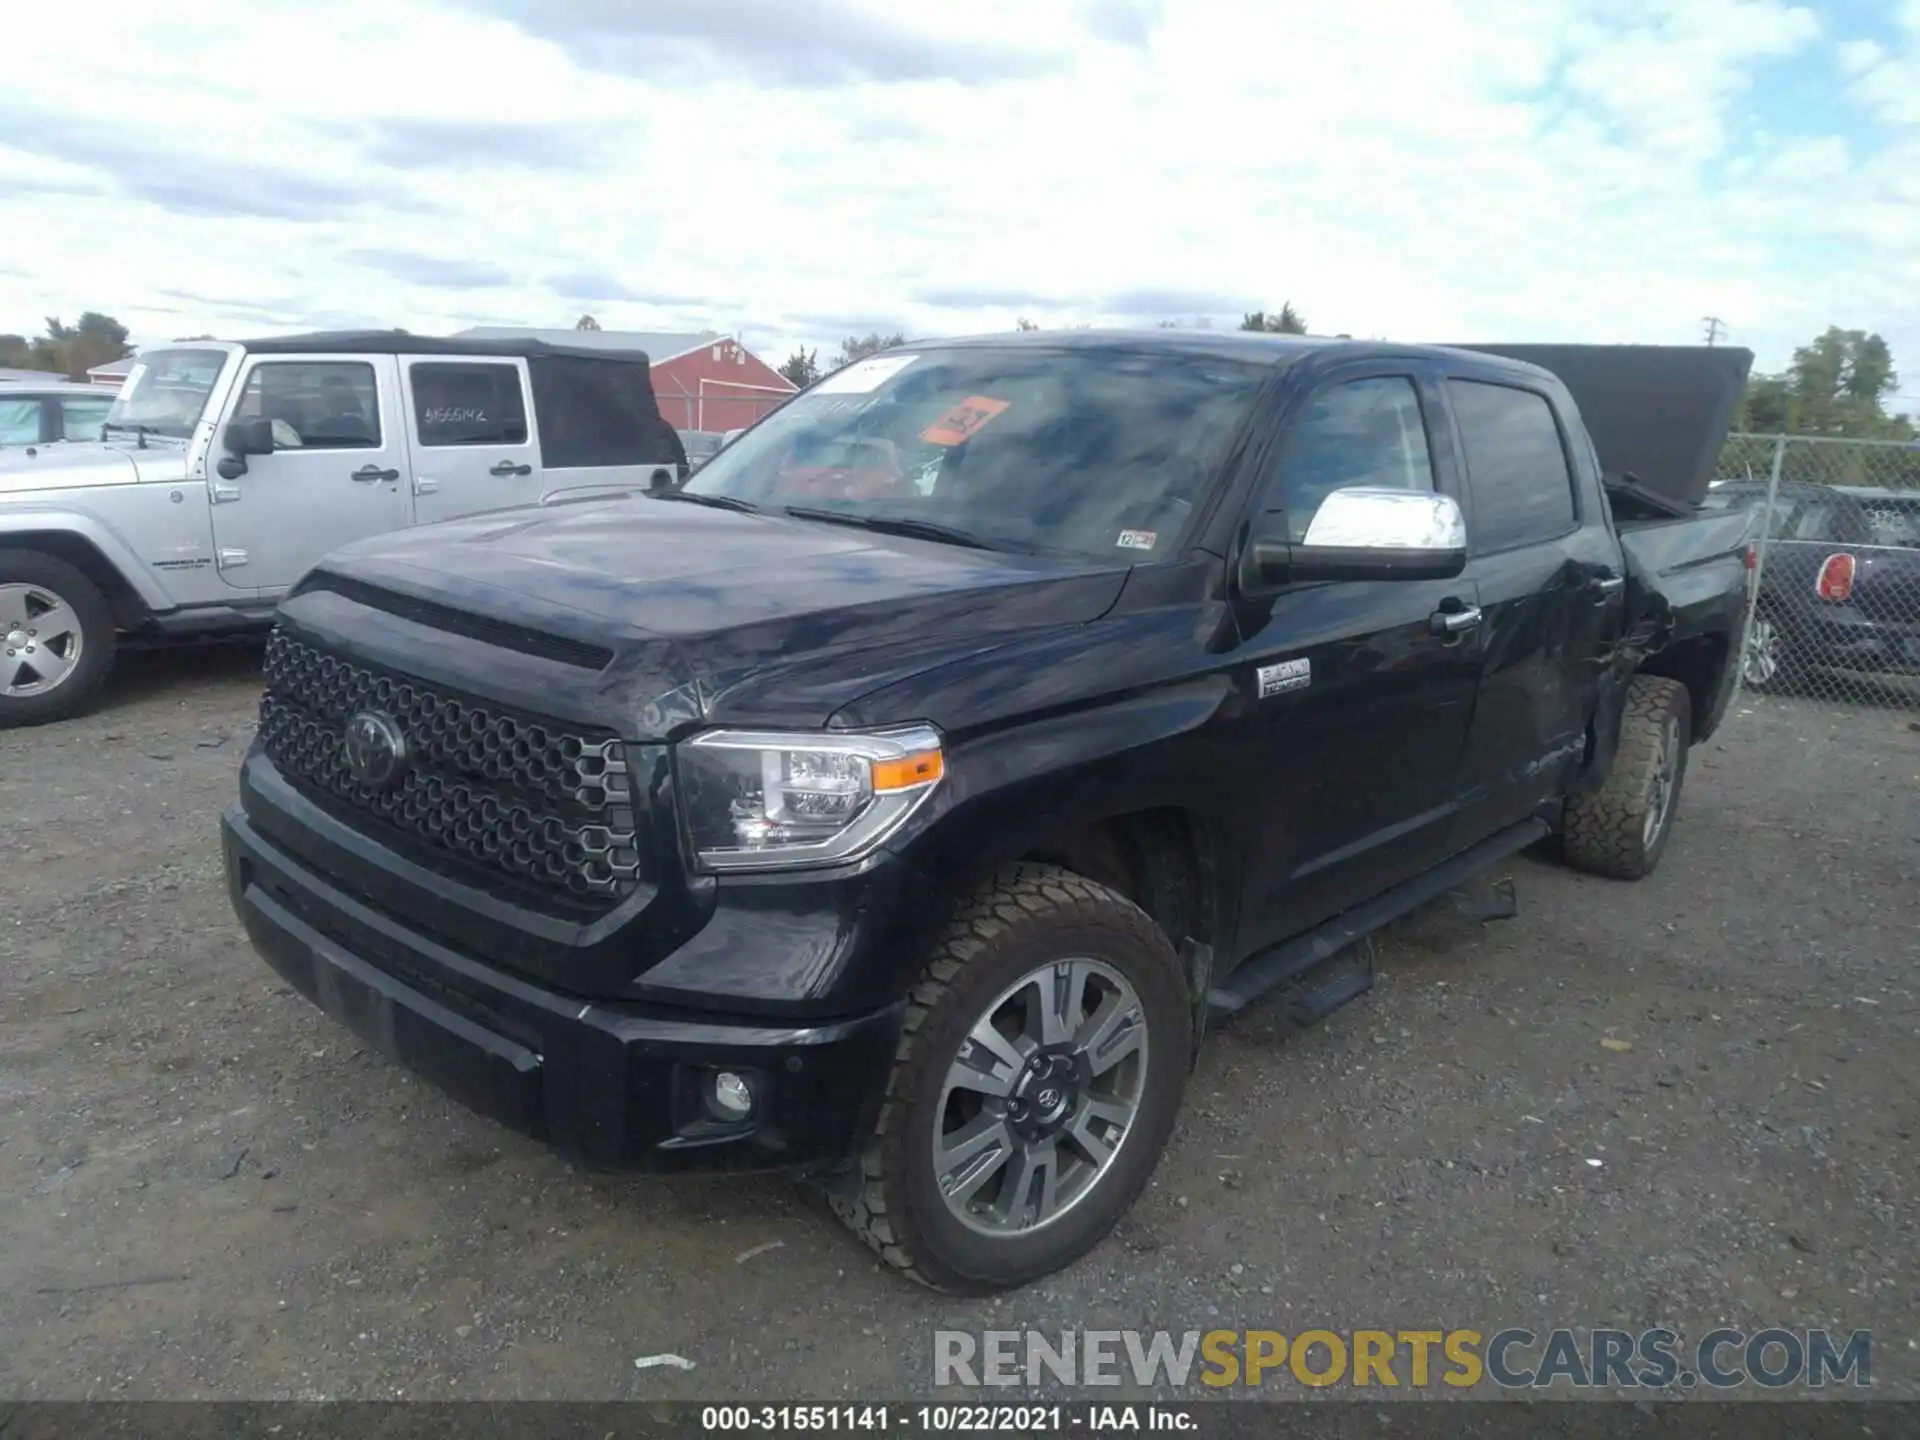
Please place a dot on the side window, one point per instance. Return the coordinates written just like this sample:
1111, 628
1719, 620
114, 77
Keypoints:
1365, 432
20, 420
469, 404
82, 419
1516, 464
315, 404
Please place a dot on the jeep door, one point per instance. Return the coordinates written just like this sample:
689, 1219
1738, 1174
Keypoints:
475, 444
1359, 702
334, 475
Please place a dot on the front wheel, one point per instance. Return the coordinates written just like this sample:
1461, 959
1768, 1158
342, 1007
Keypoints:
1621, 828
56, 639
1045, 1050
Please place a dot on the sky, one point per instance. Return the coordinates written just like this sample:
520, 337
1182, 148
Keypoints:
794, 171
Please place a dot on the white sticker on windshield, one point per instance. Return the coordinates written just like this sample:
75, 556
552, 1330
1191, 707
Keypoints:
1137, 539
864, 376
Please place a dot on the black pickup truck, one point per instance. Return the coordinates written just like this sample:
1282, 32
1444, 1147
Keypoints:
898, 800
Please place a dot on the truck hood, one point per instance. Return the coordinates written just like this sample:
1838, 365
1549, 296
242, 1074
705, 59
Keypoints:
716, 615
66, 465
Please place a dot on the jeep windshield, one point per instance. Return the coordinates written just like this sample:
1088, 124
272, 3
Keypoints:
1101, 453
165, 392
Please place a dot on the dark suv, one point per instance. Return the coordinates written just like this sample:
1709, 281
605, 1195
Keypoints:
903, 824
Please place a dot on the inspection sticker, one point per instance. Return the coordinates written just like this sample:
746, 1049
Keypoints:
1287, 675
964, 421
1137, 539
864, 376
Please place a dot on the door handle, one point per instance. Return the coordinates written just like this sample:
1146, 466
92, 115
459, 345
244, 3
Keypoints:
1605, 585
373, 474
507, 467
1454, 622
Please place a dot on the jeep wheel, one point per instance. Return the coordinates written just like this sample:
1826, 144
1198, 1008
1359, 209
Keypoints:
1621, 828
1042, 1062
56, 639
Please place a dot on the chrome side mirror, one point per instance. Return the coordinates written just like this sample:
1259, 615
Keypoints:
1363, 533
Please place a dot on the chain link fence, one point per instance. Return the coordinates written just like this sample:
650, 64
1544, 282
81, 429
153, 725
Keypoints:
1835, 607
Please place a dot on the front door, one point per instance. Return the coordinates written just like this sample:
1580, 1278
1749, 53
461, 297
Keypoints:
335, 474
1359, 709
475, 444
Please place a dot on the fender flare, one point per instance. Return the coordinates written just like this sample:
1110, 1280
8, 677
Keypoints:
66, 520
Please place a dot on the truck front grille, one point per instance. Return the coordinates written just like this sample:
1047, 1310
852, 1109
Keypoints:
542, 802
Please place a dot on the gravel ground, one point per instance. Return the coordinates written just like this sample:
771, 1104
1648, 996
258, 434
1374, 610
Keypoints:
209, 1190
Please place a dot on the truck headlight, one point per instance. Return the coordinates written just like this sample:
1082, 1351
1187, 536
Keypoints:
763, 800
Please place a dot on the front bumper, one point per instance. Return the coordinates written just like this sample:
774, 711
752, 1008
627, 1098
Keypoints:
614, 1085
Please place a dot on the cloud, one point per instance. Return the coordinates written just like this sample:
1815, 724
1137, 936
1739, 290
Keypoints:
1154, 303
429, 143
984, 297
447, 274
1122, 22
802, 170
803, 43
185, 180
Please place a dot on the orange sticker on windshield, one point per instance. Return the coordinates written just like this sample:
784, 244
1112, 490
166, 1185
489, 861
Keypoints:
964, 421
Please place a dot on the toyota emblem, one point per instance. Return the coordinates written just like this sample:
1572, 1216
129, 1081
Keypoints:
376, 749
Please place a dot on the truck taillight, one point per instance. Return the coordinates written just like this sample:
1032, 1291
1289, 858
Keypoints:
1836, 579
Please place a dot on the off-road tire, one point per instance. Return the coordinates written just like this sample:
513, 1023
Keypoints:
1026, 915
76, 693
1605, 830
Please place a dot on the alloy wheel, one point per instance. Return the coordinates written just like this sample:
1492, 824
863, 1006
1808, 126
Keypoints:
1041, 1097
40, 640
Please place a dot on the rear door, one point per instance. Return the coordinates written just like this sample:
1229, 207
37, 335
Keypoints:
333, 477
475, 447
1547, 567
1358, 710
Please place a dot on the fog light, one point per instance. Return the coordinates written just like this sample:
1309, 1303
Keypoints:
730, 1096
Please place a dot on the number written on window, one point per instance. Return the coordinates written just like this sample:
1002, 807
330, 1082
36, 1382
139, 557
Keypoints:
1363, 433
1516, 465
469, 404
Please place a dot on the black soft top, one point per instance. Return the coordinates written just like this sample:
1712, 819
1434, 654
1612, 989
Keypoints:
595, 406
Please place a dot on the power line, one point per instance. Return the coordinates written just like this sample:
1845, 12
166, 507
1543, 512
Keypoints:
1716, 328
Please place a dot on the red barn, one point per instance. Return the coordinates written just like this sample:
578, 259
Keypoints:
704, 380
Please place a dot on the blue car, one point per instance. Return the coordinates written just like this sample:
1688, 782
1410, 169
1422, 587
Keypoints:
1840, 589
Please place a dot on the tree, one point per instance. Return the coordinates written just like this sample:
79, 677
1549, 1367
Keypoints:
858, 347
1285, 321
72, 350
586, 322
802, 367
1838, 384
1023, 323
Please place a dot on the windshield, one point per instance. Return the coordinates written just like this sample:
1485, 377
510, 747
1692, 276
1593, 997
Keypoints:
166, 391
1098, 453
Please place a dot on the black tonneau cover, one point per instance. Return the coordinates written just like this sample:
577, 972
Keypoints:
595, 406
1657, 413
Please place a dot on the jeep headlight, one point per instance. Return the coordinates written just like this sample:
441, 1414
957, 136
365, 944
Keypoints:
761, 800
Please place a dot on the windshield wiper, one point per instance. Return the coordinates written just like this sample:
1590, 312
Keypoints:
718, 502
899, 525
140, 432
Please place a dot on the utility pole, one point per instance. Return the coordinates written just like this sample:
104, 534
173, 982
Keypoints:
1716, 328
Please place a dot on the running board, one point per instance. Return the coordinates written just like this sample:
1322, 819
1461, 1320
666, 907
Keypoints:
1290, 960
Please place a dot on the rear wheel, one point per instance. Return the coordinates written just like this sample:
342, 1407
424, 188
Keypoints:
1768, 663
1045, 1050
56, 639
1621, 829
